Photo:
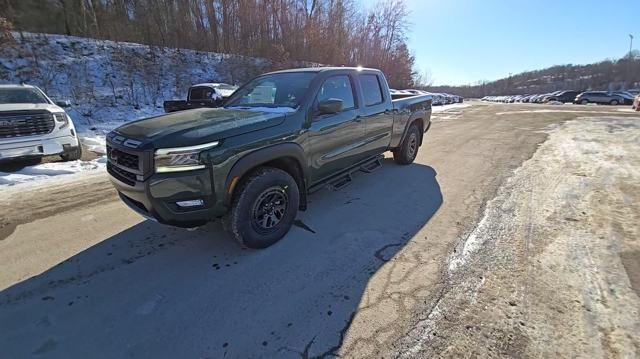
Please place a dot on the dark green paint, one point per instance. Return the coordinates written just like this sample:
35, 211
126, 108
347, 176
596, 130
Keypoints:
326, 144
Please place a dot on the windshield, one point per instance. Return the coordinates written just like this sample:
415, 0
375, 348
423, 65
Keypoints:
277, 90
21, 95
225, 87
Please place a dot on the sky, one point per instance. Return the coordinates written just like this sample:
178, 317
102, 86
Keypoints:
465, 41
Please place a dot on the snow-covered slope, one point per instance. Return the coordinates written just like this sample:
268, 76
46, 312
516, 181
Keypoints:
110, 82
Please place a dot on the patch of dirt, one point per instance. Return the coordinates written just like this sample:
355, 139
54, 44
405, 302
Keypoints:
631, 263
552, 268
19, 207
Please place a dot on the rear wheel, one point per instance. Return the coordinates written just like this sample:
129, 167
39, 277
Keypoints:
264, 208
408, 150
613, 102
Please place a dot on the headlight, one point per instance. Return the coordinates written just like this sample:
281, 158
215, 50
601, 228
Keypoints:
61, 117
181, 158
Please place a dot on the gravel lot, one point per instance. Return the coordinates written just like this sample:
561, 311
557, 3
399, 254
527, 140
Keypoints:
515, 233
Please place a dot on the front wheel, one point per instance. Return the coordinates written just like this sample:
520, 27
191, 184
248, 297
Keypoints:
408, 150
264, 208
614, 102
72, 154
584, 102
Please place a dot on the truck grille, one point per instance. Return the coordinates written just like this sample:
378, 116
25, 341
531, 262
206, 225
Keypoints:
122, 158
25, 123
122, 175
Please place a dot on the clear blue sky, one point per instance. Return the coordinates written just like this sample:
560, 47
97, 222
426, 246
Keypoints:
464, 41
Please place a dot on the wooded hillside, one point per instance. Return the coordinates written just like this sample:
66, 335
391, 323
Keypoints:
333, 32
606, 75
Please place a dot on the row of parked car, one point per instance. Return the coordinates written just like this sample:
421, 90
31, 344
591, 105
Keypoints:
438, 98
571, 96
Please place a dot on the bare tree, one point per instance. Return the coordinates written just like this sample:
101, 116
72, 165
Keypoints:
317, 31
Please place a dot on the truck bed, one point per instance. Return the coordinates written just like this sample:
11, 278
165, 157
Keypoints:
414, 102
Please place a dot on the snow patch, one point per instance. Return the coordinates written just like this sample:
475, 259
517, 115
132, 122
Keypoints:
32, 174
559, 111
436, 109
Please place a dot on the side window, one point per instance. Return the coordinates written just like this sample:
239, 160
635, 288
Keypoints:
338, 87
371, 89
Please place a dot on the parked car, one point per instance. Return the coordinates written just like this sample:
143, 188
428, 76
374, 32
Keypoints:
32, 125
627, 96
254, 161
527, 99
599, 97
563, 96
201, 95
438, 99
636, 103
543, 98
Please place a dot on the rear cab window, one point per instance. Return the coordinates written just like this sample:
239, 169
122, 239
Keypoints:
201, 93
371, 89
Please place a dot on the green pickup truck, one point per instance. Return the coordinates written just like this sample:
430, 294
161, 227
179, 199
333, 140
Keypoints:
254, 161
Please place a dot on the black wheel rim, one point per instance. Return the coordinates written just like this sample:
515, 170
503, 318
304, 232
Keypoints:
269, 209
413, 145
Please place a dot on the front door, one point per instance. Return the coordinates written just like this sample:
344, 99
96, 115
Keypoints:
335, 140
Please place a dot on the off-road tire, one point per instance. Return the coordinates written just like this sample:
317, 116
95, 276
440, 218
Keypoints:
408, 150
72, 155
240, 221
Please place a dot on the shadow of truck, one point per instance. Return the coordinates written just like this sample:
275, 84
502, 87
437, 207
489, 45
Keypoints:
160, 292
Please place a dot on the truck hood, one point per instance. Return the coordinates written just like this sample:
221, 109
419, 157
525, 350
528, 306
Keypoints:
29, 106
186, 128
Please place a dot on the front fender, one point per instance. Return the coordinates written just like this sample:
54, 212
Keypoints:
262, 156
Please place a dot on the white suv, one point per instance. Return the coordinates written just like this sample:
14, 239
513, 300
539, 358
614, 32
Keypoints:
31, 125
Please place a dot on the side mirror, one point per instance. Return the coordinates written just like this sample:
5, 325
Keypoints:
330, 106
63, 103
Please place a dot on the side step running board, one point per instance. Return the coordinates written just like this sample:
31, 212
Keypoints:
341, 182
346, 179
375, 164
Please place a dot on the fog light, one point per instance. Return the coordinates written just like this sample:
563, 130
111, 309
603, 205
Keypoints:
192, 203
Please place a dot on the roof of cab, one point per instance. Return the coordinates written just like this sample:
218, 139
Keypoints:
212, 84
17, 86
324, 69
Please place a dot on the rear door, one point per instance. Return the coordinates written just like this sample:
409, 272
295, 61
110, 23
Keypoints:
376, 111
335, 140
598, 97
569, 96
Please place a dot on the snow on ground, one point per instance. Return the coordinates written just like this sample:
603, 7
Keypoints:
604, 111
109, 83
436, 109
30, 175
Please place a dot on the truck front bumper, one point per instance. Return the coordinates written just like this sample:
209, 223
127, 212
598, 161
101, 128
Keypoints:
158, 197
36, 146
